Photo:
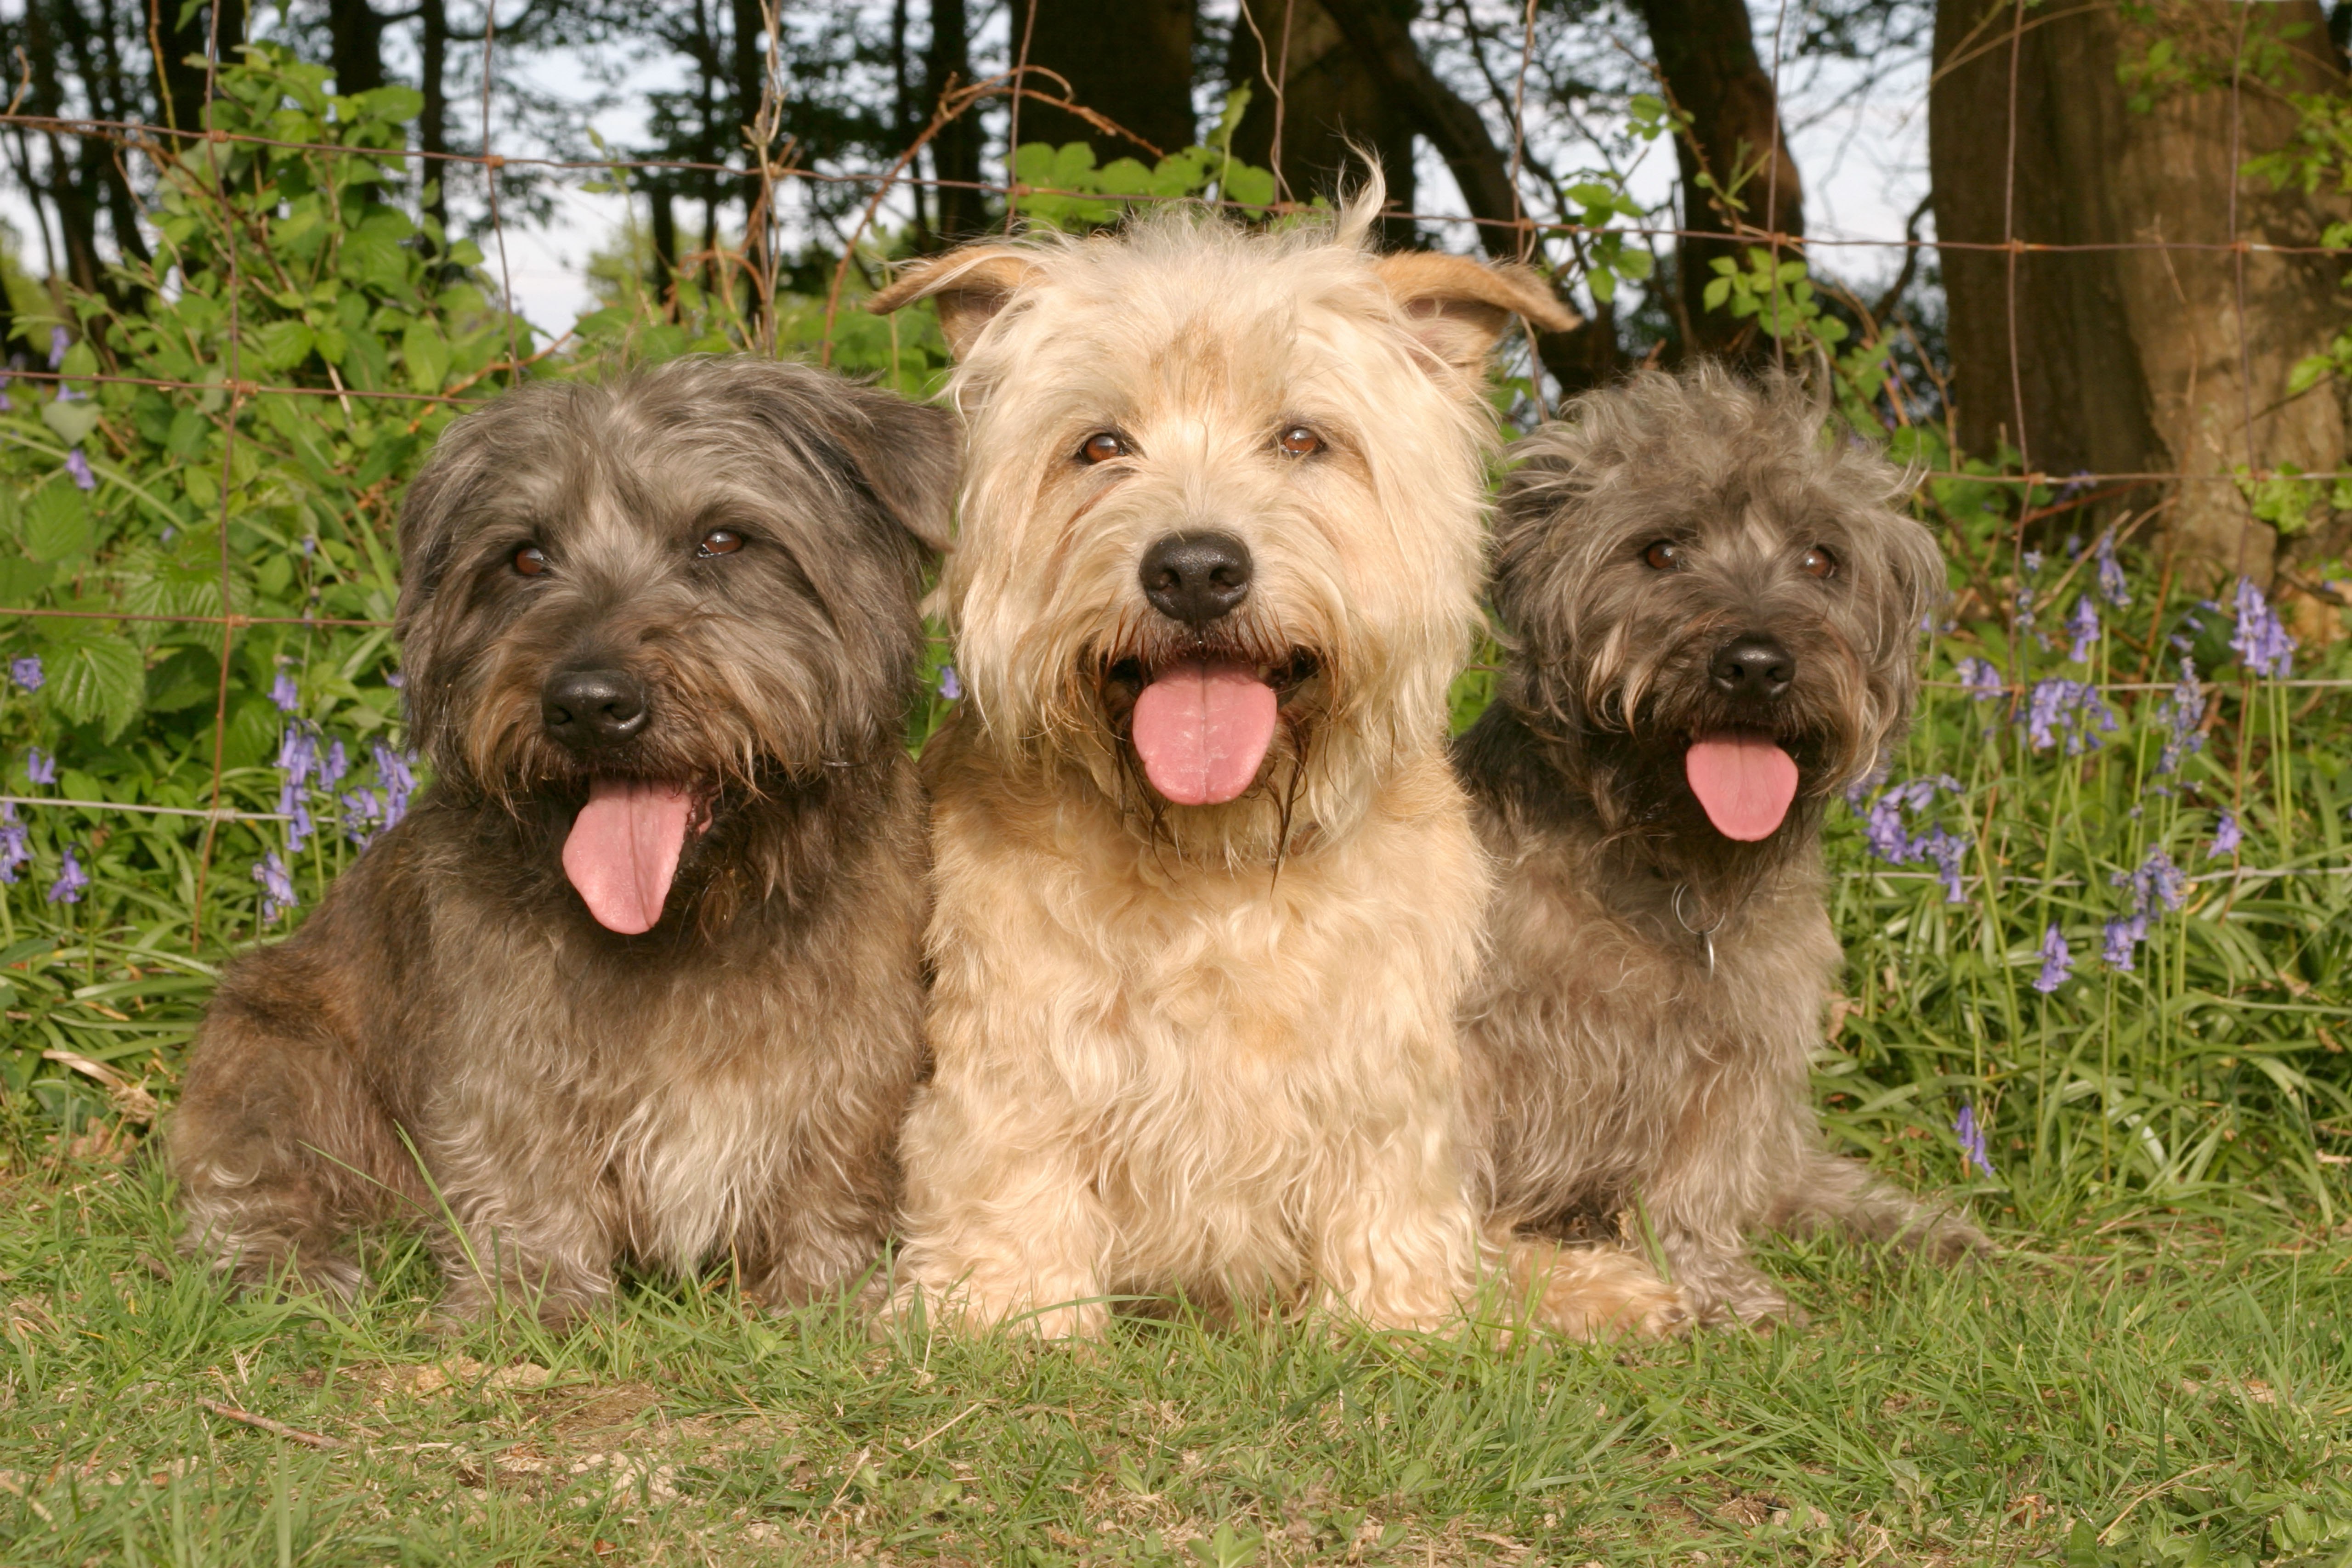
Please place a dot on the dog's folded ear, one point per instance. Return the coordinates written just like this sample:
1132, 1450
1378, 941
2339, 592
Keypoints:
969, 285
1458, 308
907, 454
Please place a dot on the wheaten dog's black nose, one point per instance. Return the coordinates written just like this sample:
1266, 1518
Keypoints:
588, 709
1753, 665
1196, 577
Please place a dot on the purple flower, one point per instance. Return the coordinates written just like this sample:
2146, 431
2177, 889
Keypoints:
2033, 561
2227, 836
59, 341
2183, 712
277, 887
2260, 638
15, 846
285, 695
67, 888
2058, 704
1972, 1141
363, 816
2121, 938
2076, 483
1886, 833
26, 672
395, 679
2083, 626
950, 687
333, 765
2057, 962
79, 467
393, 772
2158, 884
2112, 587
1981, 677
39, 766
1950, 853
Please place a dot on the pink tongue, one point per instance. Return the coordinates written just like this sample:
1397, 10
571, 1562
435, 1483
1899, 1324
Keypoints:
1201, 730
1745, 782
624, 848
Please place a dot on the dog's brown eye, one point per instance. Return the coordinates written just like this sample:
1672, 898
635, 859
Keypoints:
529, 561
1102, 446
719, 542
1664, 555
1818, 562
1300, 442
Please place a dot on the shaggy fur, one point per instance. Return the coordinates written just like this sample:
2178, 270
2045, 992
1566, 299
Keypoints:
1206, 1048
453, 1027
1613, 1059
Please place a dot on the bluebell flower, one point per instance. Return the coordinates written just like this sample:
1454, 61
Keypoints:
2033, 561
392, 771
285, 694
1972, 1141
59, 341
1948, 852
2227, 836
16, 846
26, 672
2057, 962
2260, 638
2083, 627
363, 816
395, 679
2123, 937
2184, 715
5, 403
39, 766
1981, 678
2112, 585
1884, 830
277, 887
77, 468
68, 886
949, 686
2075, 706
333, 765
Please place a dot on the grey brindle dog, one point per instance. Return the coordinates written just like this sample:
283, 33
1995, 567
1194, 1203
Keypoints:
1716, 613
638, 976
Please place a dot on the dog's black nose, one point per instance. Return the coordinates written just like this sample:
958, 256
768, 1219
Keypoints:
1753, 665
588, 709
1196, 577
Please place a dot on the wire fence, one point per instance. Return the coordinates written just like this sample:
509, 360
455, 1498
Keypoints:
768, 169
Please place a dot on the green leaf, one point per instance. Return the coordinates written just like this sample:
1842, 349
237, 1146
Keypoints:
282, 345
427, 356
72, 421
1249, 185
97, 674
1717, 293
56, 523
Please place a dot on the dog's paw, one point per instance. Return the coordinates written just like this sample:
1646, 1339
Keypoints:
1595, 1292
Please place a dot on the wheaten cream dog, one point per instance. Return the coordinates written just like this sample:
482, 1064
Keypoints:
1207, 894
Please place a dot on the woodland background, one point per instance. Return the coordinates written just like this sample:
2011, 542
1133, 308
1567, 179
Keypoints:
2098, 911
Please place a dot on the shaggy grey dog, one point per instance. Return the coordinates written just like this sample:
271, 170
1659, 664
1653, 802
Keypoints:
638, 976
1717, 614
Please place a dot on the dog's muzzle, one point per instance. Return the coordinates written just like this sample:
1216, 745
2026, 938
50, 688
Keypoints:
588, 710
1196, 577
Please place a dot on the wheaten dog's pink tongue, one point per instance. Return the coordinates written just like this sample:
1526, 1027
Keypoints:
1745, 782
623, 849
1201, 730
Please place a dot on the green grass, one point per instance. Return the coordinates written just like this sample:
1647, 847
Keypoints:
2188, 1386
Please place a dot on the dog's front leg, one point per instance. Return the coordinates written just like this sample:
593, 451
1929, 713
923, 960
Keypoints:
1397, 1245
526, 1224
1003, 1225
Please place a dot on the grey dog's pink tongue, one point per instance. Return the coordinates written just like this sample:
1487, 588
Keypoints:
1745, 782
624, 848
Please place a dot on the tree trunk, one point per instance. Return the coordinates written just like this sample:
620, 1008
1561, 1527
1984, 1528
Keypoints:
1130, 62
354, 45
433, 120
955, 150
1705, 51
1328, 103
181, 40
2135, 360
